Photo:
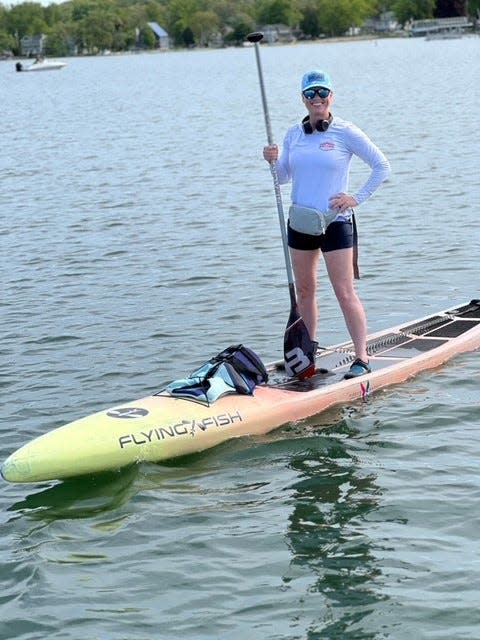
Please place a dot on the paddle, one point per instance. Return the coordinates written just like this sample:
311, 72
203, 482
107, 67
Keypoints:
299, 349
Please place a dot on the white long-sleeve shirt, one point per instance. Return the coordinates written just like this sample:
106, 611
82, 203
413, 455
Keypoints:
318, 163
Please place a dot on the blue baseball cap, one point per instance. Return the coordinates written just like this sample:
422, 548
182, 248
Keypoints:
316, 78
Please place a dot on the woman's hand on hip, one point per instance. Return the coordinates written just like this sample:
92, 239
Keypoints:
341, 202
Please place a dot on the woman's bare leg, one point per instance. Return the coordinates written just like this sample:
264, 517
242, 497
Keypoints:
340, 270
305, 269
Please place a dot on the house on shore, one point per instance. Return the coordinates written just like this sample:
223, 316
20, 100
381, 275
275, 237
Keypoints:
277, 33
161, 36
33, 45
385, 23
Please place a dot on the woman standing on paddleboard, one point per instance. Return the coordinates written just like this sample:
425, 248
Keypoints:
316, 157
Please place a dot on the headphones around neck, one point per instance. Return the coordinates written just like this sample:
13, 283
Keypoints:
321, 125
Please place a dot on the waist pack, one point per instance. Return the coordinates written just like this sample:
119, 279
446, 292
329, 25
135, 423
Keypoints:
308, 220
236, 369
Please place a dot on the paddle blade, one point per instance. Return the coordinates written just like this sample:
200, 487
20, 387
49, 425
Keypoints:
299, 350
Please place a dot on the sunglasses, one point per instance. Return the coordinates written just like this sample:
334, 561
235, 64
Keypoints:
322, 92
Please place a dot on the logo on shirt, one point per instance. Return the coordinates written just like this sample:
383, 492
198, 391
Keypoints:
327, 146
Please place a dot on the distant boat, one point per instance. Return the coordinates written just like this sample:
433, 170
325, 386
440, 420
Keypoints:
41, 64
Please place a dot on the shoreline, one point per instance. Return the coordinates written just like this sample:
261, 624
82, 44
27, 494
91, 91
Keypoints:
326, 40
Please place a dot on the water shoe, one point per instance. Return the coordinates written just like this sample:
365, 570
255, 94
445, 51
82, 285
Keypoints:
357, 368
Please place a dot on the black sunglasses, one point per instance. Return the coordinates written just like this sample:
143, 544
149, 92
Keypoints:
322, 92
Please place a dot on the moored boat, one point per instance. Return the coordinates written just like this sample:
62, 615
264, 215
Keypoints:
41, 64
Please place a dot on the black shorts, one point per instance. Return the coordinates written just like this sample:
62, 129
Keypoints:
339, 235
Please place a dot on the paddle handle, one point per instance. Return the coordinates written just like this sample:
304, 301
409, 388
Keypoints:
256, 38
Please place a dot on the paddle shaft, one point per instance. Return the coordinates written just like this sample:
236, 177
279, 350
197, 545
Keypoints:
255, 38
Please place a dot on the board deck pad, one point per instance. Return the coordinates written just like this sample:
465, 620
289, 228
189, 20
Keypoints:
409, 341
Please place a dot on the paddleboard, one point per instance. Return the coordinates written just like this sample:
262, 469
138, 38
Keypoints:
159, 427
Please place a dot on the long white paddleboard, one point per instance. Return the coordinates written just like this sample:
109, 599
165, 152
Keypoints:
159, 427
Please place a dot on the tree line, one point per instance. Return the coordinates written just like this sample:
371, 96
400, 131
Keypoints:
89, 26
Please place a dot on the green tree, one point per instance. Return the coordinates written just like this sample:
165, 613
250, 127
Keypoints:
26, 19
154, 11
406, 10
187, 37
52, 14
117, 24
3, 20
147, 38
7, 42
56, 44
278, 12
382, 5
227, 10
204, 25
473, 8
240, 31
310, 21
82, 8
337, 16
179, 18
96, 30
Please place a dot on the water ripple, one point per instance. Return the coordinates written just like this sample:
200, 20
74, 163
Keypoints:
141, 244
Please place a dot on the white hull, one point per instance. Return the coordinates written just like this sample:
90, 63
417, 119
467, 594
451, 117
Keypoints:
45, 65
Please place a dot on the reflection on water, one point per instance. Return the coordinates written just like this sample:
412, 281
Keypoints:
82, 497
326, 537
140, 236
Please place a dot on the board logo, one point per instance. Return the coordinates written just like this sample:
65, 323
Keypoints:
296, 361
127, 412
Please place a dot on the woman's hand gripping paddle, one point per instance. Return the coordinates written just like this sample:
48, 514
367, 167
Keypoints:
299, 349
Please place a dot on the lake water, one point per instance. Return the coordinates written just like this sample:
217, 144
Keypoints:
139, 237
